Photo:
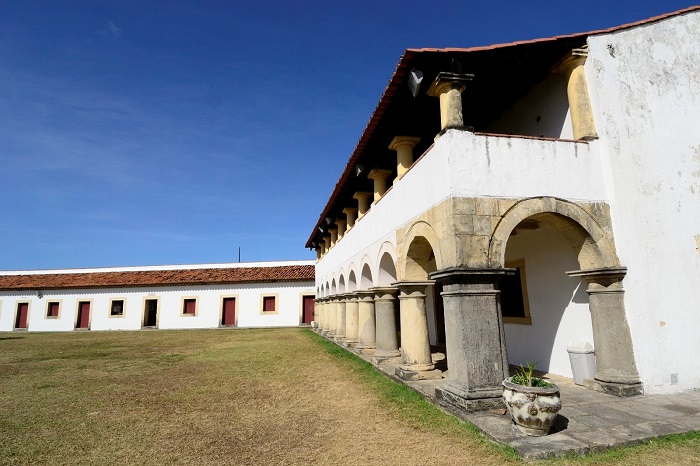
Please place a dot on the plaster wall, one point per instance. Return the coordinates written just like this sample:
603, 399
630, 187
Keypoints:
462, 163
208, 315
645, 92
543, 112
558, 303
489, 165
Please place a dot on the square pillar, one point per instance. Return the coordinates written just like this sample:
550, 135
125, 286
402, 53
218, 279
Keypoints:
616, 370
476, 349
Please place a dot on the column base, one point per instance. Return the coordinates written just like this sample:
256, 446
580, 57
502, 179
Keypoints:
405, 374
612, 388
459, 404
381, 357
364, 349
349, 343
339, 339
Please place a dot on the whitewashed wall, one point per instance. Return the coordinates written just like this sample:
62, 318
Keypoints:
209, 300
558, 303
645, 90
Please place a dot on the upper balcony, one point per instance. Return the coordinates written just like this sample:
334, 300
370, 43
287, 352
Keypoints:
511, 121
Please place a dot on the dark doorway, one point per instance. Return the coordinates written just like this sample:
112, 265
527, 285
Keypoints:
150, 313
308, 304
22, 315
83, 315
439, 315
228, 313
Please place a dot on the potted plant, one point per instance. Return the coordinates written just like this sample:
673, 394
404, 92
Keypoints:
532, 402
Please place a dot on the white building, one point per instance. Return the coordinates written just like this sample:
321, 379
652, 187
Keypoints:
573, 162
263, 294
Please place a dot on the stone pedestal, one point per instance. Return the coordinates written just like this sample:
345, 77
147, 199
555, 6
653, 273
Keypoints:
417, 362
386, 338
616, 371
474, 337
351, 320
367, 339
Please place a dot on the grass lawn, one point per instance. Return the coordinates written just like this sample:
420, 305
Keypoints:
232, 397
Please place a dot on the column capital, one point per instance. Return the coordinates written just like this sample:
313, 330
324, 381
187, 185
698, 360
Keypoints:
400, 141
365, 295
378, 174
351, 295
446, 81
457, 275
350, 210
602, 280
572, 60
413, 289
362, 195
384, 292
327, 240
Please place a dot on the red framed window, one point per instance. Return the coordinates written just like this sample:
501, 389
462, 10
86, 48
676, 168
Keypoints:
52, 309
269, 304
189, 306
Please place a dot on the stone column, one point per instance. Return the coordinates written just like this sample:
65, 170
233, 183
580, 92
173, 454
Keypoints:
334, 235
327, 240
326, 327
351, 320
417, 361
340, 319
616, 370
317, 315
379, 176
332, 316
341, 228
351, 215
318, 252
403, 145
577, 91
362, 203
476, 349
324, 320
386, 337
449, 87
366, 326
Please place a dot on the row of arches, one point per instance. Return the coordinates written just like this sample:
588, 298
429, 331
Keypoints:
548, 236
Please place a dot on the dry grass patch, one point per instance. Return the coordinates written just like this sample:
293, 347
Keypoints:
214, 397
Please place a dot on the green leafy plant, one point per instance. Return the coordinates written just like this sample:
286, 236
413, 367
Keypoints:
525, 376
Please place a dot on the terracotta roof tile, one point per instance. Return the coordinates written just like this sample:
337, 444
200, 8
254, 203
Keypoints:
213, 276
404, 65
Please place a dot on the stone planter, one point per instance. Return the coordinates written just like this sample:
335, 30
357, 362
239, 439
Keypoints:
533, 409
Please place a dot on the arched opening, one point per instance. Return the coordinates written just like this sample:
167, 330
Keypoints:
387, 270
333, 288
544, 310
366, 278
352, 282
341, 285
420, 263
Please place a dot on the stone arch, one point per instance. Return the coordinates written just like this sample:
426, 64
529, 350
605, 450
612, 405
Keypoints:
366, 273
333, 288
366, 280
419, 253
593, 245
386, 265
341, 282
352, 281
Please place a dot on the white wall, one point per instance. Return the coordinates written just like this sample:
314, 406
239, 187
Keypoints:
543, 112
558, 303
209, 300
645, 91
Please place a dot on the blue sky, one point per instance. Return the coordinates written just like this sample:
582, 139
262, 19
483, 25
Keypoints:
141, 133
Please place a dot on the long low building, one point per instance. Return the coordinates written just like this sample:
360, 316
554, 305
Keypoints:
262, 294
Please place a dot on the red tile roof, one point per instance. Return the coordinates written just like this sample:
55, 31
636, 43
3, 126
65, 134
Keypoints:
404, 66
212, 276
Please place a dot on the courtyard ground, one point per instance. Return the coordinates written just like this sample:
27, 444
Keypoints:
264, 396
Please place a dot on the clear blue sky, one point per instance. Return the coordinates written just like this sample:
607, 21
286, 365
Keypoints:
140, 133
